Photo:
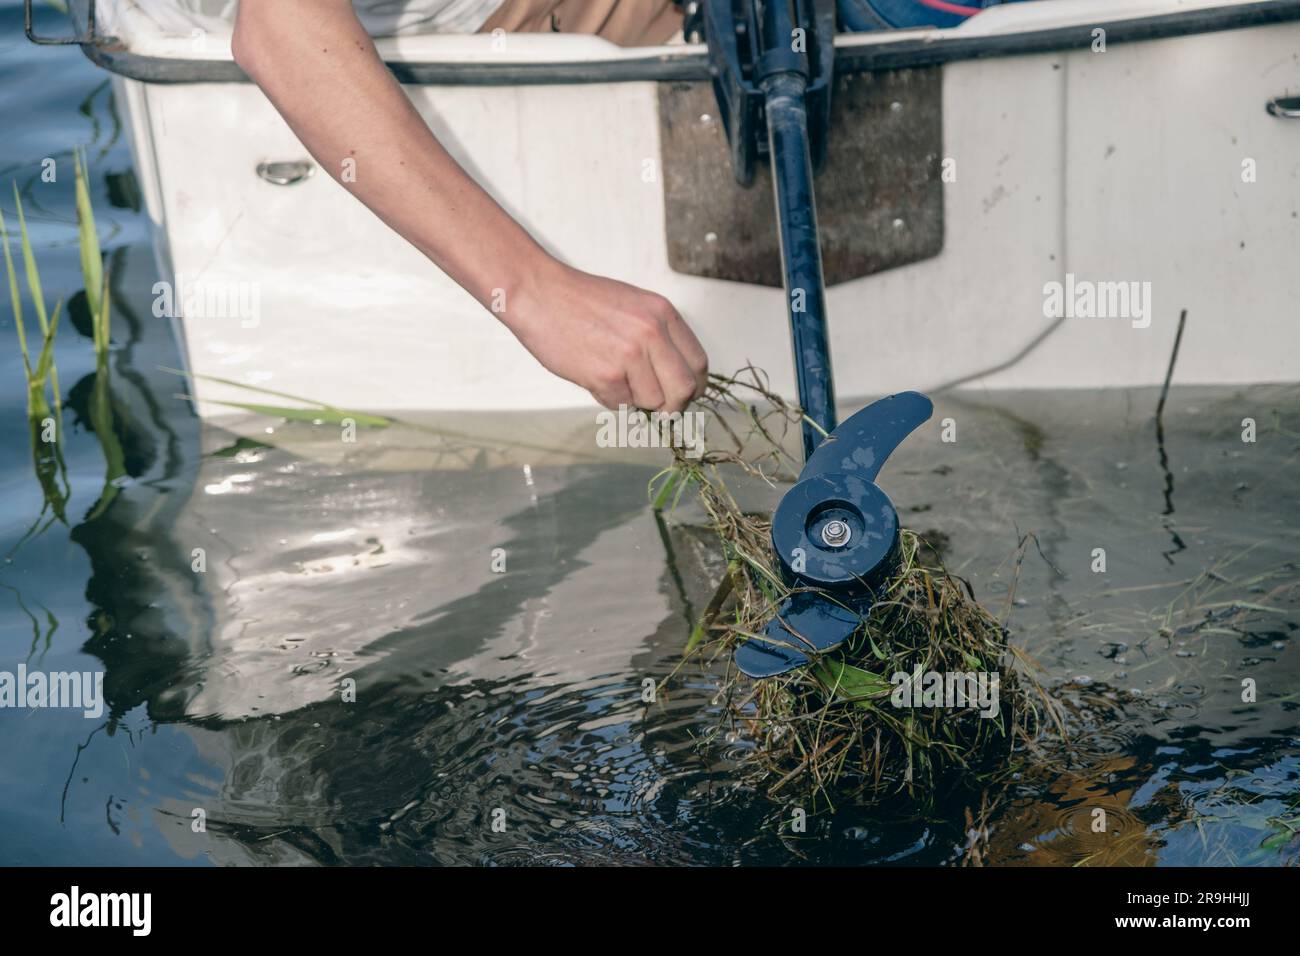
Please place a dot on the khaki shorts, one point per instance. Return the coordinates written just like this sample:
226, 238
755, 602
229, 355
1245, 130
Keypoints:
625, 22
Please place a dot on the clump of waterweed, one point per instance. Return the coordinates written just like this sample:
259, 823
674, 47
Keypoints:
927, 692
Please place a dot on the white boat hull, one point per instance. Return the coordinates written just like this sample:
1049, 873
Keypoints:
1133, 165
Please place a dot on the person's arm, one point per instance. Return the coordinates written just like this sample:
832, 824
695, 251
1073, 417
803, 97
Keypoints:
317, 65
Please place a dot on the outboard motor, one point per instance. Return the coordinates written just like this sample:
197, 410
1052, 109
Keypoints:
835, 533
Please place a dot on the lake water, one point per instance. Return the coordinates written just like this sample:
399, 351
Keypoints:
483, 696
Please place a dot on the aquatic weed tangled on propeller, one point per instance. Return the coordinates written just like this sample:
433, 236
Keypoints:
924, 694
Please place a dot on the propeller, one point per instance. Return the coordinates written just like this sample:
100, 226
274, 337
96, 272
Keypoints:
835, 536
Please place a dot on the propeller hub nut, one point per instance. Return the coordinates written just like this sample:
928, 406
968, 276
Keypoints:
836, 533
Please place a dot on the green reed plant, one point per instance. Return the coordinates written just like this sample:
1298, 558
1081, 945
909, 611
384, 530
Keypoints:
44, 393
44, 402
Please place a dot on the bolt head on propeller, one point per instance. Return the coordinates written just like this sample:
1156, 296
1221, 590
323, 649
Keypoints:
838, 533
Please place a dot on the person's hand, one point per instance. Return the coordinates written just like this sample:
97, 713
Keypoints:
625, 345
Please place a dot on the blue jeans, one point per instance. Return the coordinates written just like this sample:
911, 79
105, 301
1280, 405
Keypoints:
860, 15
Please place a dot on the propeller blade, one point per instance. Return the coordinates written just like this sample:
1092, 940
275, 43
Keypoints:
805, 621
865, 440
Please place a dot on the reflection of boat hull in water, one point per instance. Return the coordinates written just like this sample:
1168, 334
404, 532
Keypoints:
240, 585
291, 566
1149, 172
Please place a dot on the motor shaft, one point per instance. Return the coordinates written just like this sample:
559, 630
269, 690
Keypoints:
801, 257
